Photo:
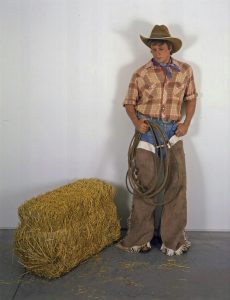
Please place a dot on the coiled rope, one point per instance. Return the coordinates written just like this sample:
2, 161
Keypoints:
133, 183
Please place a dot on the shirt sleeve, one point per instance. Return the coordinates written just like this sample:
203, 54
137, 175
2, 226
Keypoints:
190, 92
132, 94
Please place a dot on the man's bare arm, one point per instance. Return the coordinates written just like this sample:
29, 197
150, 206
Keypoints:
140, 125
182, 128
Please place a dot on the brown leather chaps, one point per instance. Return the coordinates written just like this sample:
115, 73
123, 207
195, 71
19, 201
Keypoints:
174, 212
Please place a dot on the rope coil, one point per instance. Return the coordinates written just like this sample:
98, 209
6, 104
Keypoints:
133, 183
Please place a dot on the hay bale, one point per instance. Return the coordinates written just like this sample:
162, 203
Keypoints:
60, 229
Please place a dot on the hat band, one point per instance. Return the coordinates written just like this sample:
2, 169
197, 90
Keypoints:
159, 37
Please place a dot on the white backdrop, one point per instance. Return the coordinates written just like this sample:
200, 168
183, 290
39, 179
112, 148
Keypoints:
65, 66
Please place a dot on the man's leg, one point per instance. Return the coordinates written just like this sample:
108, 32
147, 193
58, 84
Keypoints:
141, 223
174, 216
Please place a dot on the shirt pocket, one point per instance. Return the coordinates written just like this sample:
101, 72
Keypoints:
179, 90
150, 92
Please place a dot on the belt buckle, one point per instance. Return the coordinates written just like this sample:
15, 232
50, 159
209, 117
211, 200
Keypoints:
166, 121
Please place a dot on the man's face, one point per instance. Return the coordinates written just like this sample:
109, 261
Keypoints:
161, 53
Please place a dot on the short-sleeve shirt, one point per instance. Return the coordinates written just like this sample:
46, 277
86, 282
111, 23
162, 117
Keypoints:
155, 95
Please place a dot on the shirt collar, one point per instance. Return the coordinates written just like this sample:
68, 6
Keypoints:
151, 65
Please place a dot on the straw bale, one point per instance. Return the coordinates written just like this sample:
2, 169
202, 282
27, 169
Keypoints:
64, 227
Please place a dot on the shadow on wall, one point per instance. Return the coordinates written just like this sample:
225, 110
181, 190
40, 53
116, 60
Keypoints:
121, 128
195, 176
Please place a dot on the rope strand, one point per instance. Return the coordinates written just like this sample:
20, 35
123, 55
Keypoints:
133, 183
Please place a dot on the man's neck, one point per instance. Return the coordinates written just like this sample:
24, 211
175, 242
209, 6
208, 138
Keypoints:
168, 61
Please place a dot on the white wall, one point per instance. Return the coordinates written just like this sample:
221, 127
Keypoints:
65, 67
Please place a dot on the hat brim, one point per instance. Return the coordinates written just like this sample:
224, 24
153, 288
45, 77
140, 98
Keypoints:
177, 43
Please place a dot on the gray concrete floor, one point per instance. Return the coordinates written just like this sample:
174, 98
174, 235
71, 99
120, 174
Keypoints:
202, 273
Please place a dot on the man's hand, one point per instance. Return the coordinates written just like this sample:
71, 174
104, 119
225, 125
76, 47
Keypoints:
182, 129
141, 126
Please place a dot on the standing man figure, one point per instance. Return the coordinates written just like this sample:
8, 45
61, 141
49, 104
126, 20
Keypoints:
156, 93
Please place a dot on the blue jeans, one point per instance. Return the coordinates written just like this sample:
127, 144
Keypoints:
169, 129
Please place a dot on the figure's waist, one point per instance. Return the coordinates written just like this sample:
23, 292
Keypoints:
151, 118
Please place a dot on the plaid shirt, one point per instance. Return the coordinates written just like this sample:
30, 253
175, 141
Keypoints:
156, 96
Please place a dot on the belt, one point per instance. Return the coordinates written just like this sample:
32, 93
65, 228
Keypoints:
157, 119
165, 121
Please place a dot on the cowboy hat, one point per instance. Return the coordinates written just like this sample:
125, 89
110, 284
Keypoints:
161, 32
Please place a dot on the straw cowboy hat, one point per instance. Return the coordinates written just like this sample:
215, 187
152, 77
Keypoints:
161, 32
